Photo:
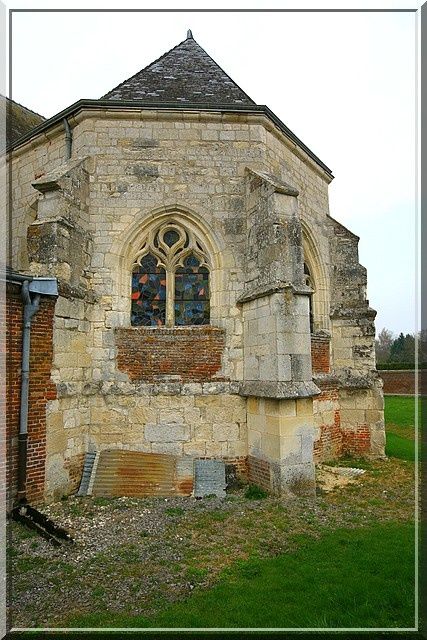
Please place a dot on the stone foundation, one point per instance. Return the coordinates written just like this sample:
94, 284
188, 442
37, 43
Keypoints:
192, 423
280, 438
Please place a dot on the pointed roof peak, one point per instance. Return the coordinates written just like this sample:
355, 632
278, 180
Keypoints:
185, 74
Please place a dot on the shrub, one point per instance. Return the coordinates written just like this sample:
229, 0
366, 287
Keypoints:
254, 492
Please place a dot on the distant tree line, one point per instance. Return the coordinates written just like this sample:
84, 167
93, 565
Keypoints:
400, 351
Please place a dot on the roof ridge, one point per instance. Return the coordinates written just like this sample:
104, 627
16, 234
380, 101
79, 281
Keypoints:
145, 68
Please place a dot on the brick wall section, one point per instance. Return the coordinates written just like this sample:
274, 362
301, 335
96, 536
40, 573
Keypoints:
403, 381
41, 390
329, 445
357, 442
193, 353
259, 472
240, 464
320, 360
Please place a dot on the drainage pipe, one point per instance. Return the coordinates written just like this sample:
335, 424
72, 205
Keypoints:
68, 139
31, 306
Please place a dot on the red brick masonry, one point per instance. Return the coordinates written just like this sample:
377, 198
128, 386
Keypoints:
40, 392
320, 354
402, 381
329, 445
259, 472
148, 353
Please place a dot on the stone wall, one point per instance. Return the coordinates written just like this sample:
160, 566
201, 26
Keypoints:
362, 421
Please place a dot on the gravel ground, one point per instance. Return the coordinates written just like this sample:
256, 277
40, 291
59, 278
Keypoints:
138, 555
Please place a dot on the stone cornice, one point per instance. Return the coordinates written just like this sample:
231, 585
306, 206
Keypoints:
256, 114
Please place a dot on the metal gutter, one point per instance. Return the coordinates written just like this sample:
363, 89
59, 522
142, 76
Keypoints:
68, 139
165, 106
31, 291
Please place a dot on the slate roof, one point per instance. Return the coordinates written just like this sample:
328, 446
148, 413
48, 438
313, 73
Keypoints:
19, 121
185, 74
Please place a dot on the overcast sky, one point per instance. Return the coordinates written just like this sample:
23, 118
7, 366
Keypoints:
342, 82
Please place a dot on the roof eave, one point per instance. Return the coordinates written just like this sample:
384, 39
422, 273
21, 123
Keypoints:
141, 105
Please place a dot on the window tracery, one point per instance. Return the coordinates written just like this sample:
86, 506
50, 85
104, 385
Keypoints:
170, 279
309, 283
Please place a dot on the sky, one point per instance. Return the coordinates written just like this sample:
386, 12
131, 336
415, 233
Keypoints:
343, 82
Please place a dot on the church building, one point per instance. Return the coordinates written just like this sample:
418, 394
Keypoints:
208, 306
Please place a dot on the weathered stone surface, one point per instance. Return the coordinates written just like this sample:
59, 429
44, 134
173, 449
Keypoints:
209, 478
166, 432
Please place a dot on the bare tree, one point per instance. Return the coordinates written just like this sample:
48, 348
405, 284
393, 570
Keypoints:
383, 345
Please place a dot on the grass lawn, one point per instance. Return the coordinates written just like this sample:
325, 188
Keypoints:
399, 413
347, 578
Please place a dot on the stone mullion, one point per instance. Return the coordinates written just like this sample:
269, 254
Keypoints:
170, 297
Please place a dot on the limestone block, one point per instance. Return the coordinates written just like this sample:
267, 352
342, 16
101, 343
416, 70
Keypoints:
272, 407
237, 449
272, 425
202, 431
216, 449
270, 445
268, 369
374, 416
167, 416
56, 476
71, 418
196, 448
191, 388
298, 478
141, 414
251, 368
224, 432
173, 448
301, 367
254, 440
256, 421
304, 407
288, 408
253, 405
172, 432
284, 368
352, 417
290, 426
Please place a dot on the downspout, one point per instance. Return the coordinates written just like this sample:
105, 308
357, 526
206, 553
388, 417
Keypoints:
31, 306
68, 139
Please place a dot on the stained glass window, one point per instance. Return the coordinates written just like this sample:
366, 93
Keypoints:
170, 280
191, 293
148, 293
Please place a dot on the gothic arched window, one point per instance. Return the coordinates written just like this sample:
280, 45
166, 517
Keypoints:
170, 279
309, 283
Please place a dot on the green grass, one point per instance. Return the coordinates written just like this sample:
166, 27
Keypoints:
400, 410
398, 447
399, 414
347, 578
